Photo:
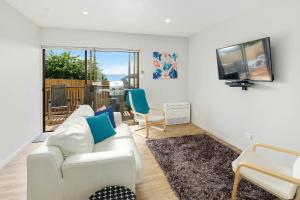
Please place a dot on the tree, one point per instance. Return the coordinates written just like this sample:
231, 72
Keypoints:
67, 66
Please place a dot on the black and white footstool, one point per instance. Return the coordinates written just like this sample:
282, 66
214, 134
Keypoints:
113, 193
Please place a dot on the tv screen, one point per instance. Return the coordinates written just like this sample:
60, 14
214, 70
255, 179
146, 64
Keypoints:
247, 61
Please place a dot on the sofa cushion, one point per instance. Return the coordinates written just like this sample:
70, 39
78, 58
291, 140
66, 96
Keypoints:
103, 107
123, 131
123, 144
74, 135
101, 127
110, 111
118, 118
73, 138
83, 110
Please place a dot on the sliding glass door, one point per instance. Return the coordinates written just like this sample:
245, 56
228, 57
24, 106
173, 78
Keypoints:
73, 77
116, 73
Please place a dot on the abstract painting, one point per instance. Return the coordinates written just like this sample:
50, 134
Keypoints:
165, 65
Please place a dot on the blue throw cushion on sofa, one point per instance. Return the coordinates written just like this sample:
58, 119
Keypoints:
101, 127
110, 111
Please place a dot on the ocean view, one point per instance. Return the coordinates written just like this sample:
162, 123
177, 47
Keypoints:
115, 77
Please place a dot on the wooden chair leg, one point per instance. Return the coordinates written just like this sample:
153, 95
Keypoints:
69, 109
237, 180
164, 125
297, 196
141, 128
147, 126
147, 131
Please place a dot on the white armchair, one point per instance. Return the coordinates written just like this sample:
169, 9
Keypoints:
271, 176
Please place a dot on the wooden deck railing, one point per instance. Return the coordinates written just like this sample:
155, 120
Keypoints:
76, 96
75, 92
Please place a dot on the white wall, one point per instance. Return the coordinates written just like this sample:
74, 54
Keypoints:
20, 82
270, 111
158, 91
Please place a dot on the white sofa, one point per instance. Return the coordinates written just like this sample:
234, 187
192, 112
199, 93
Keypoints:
70, 167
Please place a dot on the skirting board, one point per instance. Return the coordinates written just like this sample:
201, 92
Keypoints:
13, 155
220, 136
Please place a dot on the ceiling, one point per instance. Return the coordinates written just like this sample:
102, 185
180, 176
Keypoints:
133, 16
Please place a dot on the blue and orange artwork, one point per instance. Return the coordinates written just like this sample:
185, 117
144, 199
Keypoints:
165, 65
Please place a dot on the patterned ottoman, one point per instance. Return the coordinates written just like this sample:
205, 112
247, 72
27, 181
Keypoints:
113, 193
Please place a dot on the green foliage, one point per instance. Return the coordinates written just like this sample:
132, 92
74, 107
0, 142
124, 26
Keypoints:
67, 66
64, 66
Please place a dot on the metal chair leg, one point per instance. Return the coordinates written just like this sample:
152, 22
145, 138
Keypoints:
49, 112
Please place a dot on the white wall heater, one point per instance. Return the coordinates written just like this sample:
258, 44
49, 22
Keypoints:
177, 113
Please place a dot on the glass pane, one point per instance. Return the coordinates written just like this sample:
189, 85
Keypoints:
64, 84
116, 73
97, 78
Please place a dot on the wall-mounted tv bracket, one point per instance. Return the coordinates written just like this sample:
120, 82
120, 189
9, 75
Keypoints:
243, 84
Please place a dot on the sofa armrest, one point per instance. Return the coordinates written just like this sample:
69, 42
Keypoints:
118, 118
87, 173
44, 177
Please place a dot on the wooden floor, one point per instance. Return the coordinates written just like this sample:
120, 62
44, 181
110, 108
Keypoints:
155, 185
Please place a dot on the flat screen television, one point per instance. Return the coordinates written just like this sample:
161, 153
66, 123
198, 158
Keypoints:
246, 61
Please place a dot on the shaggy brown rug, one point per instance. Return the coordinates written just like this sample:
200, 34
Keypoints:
199, 167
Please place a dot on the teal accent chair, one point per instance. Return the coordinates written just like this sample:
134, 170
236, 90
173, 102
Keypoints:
143, 114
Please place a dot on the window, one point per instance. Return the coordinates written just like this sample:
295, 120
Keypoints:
86, 76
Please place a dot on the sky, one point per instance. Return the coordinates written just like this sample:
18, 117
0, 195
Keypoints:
110, 62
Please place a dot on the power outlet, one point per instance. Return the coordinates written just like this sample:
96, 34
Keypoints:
249, 136
142, 74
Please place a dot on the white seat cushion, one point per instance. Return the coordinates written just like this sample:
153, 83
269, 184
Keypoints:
296, 168
151, 118
273, 185
123, 144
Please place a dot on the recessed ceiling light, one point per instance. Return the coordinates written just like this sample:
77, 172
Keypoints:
167, 21
85, 13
